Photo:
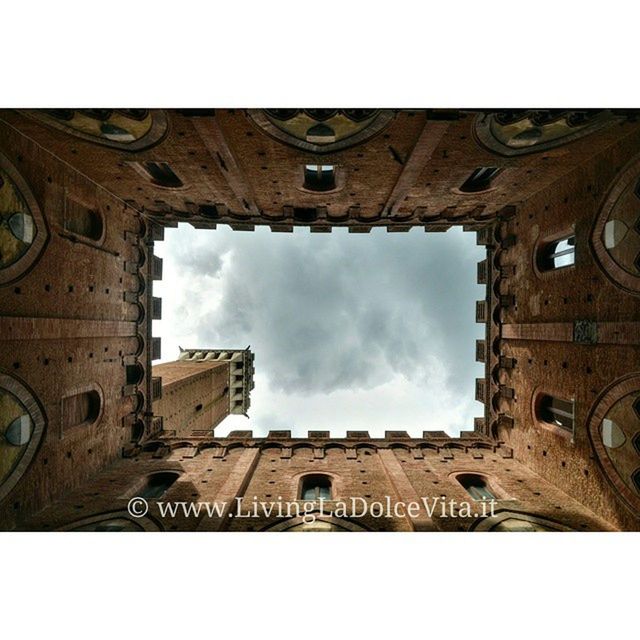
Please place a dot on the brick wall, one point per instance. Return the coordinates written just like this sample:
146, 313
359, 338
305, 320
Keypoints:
270, 470
65, 326
195, 396
538, 332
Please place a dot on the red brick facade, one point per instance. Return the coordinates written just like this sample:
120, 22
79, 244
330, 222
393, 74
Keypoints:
76, 309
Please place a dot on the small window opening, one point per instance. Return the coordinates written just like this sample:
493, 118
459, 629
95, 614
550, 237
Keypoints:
161, 174
556, 411
83, 221
558, 254
157, 485
479, 180
319, 177
315, 487
81, 408
476, 486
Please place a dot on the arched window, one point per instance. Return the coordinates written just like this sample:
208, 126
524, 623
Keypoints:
556, 411
557, 254
476, 486
83, 221
479, 180
314, 487
80, 409
319, 177
158, 484
162, 175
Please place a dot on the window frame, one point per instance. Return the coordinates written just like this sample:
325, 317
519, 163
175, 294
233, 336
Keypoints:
316, 175
311, 477
65, 430
493, 172
140, 490
548, 251
70, 200
339, 177
488, 485
539, 418
141, 168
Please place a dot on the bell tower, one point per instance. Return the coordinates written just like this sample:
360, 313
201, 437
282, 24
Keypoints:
202, 387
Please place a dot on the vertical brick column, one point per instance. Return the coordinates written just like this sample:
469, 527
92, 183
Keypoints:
234, 487
404, 490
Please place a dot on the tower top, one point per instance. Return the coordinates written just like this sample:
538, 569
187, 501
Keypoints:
241, 370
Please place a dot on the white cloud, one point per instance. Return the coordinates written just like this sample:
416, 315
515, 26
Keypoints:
349, 331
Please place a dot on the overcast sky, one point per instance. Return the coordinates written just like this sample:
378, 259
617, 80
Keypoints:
350, 331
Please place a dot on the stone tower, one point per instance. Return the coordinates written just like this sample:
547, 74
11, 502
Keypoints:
202, 387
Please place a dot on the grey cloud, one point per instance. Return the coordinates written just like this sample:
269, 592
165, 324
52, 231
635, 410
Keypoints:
337, 311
